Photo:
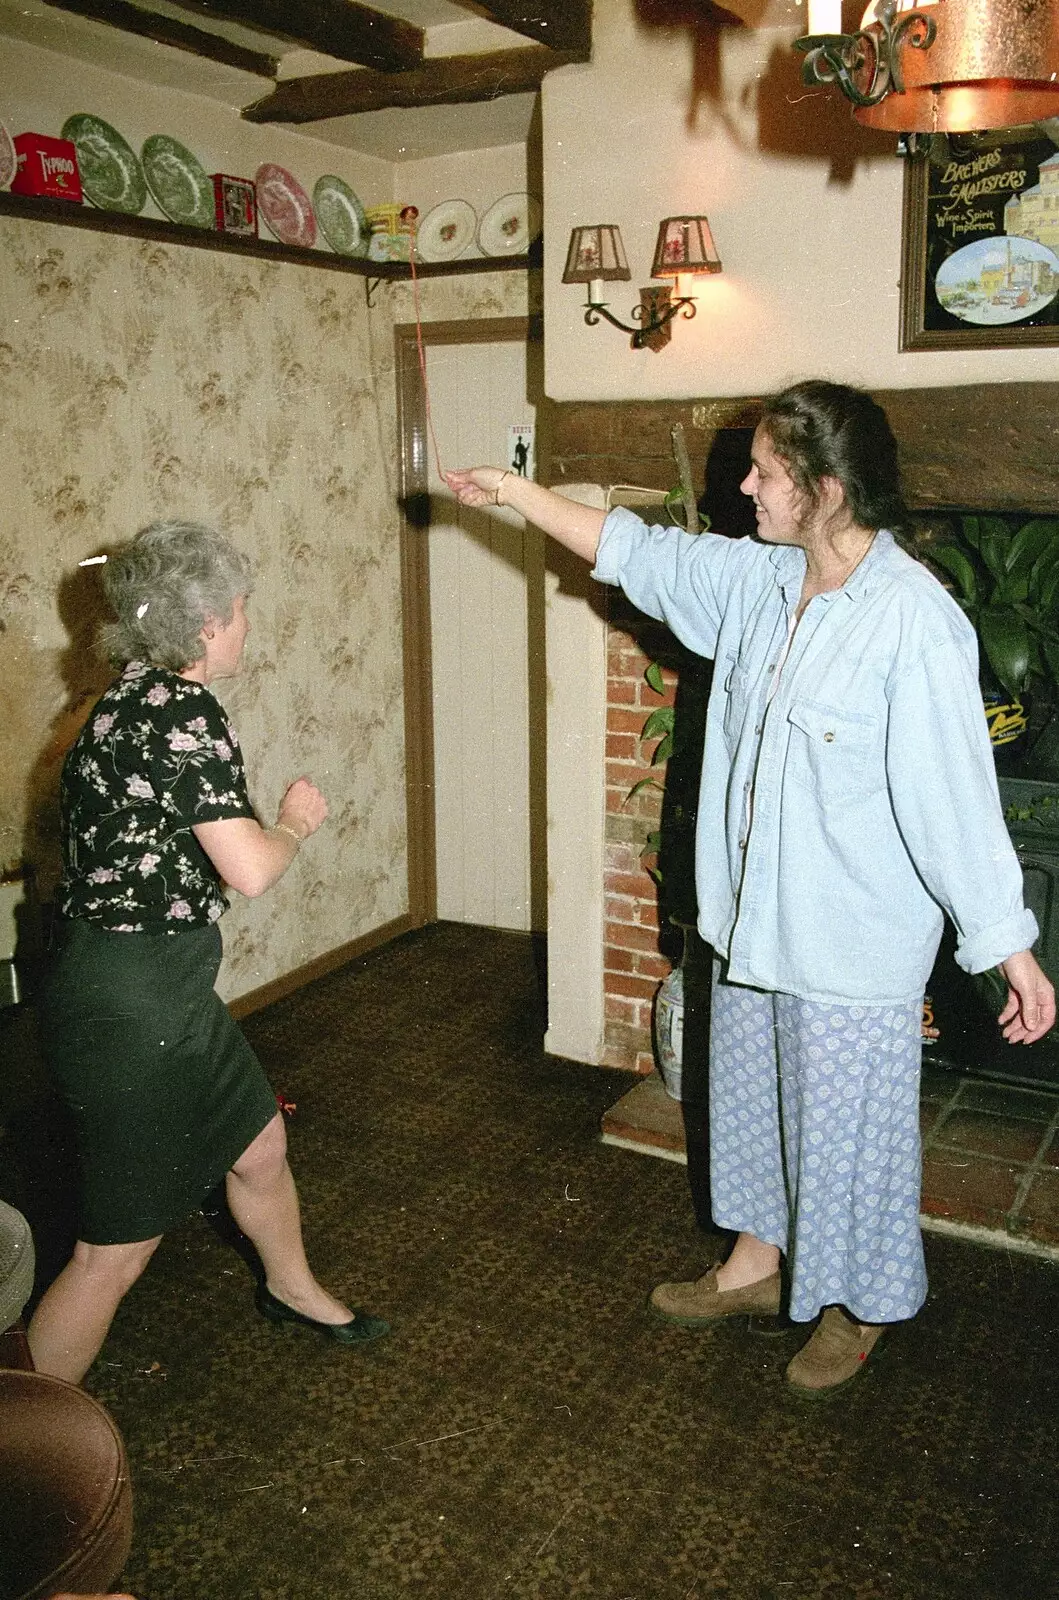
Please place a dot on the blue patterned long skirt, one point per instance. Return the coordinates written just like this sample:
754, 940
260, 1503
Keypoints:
814, 1145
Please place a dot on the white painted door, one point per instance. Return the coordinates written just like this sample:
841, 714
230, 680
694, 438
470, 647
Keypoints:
487, 645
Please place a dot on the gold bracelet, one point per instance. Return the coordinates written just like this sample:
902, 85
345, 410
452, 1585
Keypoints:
281, 827
496, 492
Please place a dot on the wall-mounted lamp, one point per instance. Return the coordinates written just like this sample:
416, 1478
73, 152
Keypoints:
939, 66
684, 249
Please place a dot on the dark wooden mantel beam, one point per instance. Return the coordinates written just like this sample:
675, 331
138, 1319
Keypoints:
340, 28
445, 80
561, 24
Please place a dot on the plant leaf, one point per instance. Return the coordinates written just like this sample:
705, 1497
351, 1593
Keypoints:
654, 678
1045, 581
994, 544
658, 723
1034, 539
959, 566
969, 527
1006, 642
644, 783
663, 751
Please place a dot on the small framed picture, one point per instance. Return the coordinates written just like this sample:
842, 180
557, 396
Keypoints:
980, 242
235, 205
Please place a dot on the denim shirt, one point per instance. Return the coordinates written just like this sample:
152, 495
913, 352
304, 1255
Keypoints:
840, 818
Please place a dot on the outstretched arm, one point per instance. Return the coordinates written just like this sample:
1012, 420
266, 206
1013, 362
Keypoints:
576, 526
1030, 1008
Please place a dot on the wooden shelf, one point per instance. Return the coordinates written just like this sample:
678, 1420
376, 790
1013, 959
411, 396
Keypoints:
70, 214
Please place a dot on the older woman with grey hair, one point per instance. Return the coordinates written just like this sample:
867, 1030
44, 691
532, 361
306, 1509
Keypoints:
166, 1094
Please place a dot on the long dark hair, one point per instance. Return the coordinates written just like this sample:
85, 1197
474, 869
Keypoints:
828, 430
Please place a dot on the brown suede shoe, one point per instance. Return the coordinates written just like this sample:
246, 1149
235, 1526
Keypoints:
837, 1351
697, 1304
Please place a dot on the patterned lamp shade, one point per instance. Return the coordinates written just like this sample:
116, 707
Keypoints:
685, 244
596, 254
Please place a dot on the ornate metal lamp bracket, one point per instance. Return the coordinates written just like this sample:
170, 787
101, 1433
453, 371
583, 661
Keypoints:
649, 322
842, 58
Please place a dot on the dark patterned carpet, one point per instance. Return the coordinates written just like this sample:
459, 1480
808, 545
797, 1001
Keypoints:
529, 1432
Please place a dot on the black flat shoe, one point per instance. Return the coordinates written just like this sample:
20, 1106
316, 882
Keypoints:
358, 1330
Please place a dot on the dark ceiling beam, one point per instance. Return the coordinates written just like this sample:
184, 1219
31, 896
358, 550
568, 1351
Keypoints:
443, 81
166, 30
561, 24
340, 28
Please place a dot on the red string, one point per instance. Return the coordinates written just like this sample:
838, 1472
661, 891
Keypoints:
422, 352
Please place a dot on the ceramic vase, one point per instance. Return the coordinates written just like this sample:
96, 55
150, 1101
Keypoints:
669, 1031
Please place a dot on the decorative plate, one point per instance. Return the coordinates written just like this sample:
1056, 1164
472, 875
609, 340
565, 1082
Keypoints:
182, 189
341, 216
8, 159
509, 226
111, 175
445, 232
285, 206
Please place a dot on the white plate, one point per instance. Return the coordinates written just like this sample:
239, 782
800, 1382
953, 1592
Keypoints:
509, 226
445, 232
8, 159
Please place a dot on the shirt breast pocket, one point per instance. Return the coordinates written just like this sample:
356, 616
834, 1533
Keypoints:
836, 754
736, 680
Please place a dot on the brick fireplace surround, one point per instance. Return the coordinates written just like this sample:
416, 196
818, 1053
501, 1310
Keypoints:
987, 447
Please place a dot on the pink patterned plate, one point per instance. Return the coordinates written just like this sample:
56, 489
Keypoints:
285, 206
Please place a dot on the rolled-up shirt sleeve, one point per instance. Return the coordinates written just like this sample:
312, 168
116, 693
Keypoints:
678, 578
944, 795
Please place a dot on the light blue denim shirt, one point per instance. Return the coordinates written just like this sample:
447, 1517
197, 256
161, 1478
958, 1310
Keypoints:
838, 821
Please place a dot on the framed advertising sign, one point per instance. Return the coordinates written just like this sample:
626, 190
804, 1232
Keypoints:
980, 242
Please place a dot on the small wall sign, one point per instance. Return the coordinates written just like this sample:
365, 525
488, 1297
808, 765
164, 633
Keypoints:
520, 456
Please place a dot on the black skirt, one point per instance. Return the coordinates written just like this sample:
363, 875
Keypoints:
165, 1092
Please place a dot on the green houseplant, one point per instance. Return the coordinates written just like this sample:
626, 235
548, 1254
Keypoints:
1004, 572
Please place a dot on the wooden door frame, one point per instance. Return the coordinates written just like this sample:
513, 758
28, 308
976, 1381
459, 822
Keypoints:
413, 444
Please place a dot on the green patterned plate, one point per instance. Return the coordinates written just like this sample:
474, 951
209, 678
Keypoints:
182, 189
341, 216
111, 176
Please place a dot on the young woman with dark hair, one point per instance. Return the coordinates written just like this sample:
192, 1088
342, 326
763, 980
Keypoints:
848, 803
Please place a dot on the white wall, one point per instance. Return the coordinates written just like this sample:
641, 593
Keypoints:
810, 244
576, 645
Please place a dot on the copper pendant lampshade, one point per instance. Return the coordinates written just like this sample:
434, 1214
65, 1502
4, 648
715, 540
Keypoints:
991, 64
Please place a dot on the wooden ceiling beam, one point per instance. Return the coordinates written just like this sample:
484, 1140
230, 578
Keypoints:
442, 81
339, 28
560, 24
167, 30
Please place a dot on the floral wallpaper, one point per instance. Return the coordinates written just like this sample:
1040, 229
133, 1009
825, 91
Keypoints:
140, 380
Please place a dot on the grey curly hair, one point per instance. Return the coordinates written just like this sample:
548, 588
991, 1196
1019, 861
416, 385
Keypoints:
164, 585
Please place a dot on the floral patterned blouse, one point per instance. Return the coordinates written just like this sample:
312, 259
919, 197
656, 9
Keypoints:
156, 756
